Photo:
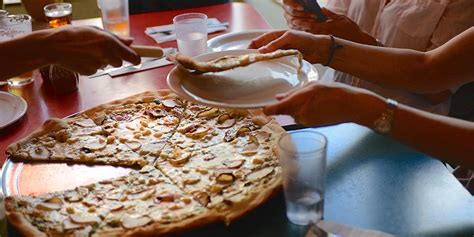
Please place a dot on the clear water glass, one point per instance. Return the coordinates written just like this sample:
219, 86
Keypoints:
115, 16
13, 26
302, 155
191, 33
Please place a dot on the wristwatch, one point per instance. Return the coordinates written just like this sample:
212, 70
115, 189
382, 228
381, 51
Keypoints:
384, 123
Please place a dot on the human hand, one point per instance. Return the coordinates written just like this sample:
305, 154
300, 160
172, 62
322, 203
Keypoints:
322, 104
86, 49
313, 47
338, 25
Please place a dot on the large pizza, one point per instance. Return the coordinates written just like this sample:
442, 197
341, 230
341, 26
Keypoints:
193, 165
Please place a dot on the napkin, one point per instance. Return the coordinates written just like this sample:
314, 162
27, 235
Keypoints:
165, 33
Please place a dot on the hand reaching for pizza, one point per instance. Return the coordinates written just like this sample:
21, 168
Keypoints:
338, 25
308, 44
323, 104
86, 49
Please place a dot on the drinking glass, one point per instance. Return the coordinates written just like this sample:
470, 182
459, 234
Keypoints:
14, 26
302, 156
58, 14
115, 16
191, 33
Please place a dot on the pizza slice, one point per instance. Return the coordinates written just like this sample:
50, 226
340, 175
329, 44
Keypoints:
230, 62
143, 203
129, 132
203, 126
230, 177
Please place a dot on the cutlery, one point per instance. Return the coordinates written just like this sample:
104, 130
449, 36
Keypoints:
145, 60
170, 32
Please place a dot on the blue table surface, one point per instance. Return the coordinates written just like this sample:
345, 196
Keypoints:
375, 183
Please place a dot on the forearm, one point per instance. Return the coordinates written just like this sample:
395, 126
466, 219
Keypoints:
23, 54
445, 138
392, 68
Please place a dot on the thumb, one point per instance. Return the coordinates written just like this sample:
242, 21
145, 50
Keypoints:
330, 14
126, 40
279, 43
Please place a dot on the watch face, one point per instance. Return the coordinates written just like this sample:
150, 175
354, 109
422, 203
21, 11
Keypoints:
382, 125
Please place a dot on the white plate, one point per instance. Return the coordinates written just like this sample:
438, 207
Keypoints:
232, 41
12, 108
249, 87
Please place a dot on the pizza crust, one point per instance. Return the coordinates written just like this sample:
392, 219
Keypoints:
17, 220
50, 125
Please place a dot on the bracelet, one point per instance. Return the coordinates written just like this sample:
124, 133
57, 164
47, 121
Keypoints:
332, 50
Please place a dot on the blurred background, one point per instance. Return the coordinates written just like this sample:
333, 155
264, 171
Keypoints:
271, 10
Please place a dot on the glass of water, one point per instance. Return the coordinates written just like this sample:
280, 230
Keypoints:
191, 33
115, 16
13, 26
302, 156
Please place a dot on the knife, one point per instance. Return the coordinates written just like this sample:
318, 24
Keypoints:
141, 50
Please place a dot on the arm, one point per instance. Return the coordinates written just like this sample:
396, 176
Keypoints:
321, 104
16, 63
434, 71
81, 49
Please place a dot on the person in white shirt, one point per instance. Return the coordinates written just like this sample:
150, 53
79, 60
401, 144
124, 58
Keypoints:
422, 25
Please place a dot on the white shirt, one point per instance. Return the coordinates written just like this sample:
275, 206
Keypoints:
415, 24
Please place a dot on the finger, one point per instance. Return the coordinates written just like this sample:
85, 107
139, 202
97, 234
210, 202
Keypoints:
279, 43
307, 24
297, 13
116, 62
265, 39
330, 14
122, 49
293, 4
126, 53
126, 40
88, 71
284, 106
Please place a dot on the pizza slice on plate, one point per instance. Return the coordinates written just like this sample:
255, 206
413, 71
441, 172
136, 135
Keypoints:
230, 62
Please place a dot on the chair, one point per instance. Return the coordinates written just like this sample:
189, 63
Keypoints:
142, 6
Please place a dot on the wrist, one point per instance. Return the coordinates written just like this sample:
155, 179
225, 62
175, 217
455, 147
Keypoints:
366, 108
36, 55
323, 48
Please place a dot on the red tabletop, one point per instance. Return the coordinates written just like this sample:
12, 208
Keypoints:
42, 104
